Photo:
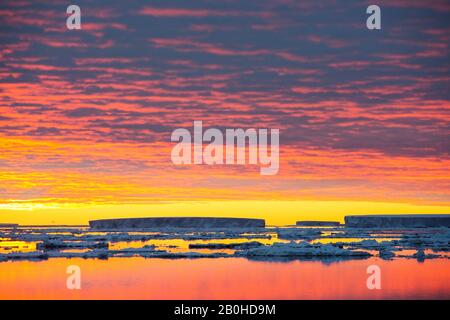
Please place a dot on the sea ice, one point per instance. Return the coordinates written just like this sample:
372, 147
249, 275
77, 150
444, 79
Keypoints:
298, 233
302, 249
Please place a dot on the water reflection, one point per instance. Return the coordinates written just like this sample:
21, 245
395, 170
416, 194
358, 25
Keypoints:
231, 278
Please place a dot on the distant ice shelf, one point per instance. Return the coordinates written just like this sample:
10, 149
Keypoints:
398, 221
317, 223
8, 225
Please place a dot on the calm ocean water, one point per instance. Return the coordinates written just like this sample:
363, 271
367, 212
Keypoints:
224, 278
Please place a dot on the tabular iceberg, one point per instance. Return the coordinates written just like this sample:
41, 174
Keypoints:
398, 221
177, 222
317, 223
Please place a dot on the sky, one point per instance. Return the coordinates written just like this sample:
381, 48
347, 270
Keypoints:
86, 115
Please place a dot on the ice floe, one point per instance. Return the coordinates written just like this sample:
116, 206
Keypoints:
302, 249
243, 245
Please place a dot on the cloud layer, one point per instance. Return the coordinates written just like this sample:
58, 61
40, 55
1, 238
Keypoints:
86, 115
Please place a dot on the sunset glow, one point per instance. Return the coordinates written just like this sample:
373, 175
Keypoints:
86, 115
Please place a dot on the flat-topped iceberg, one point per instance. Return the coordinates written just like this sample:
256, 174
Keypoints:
317, 223
398, 221
177, 222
